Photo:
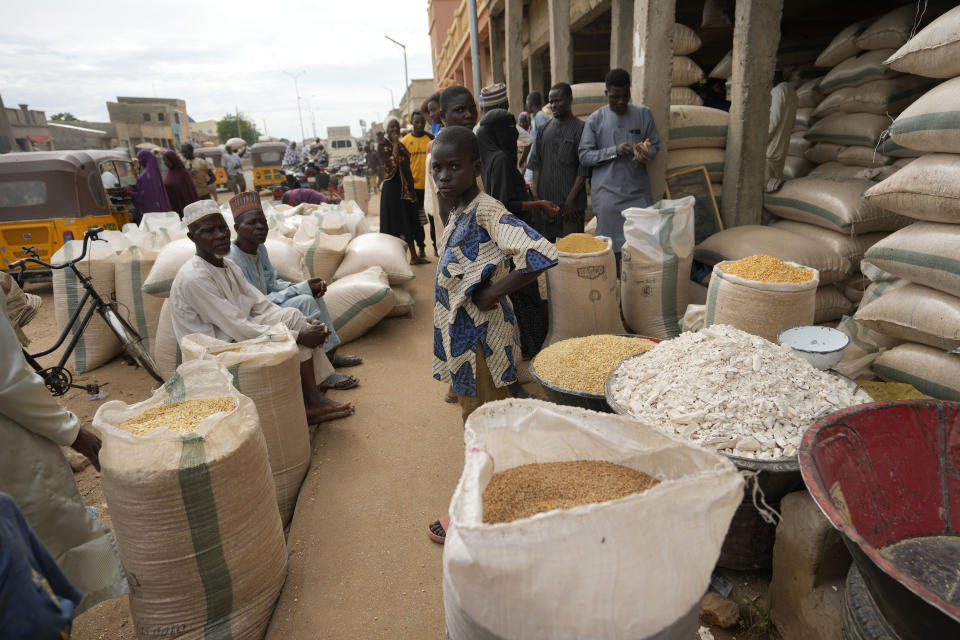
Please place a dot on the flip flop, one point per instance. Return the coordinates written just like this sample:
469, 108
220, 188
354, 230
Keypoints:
451, 398
444, 524
346, 361
339, 382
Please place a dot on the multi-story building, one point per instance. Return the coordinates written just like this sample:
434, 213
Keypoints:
28, 130
161, 121
203, 131
419, 90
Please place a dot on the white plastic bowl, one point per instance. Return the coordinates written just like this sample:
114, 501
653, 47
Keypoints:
822, 347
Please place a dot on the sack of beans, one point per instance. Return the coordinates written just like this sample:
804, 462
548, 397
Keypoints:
187, 479
355, 190
697, 127
376, 250
930, 123
266, 369
914, 313
860, 69
926, 188
655, 270
322, 253
925, 253
836, 170
930, 370
584, 567
358, 302
862, 156
843, 46
935, 51
831, 204
582, 292
142, 311
762, 295
166, 350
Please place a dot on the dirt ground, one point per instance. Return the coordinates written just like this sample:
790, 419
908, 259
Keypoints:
360, 563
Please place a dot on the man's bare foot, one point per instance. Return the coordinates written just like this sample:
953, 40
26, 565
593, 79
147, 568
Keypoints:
325, 410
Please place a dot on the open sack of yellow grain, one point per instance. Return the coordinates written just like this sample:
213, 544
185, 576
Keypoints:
583, 295
632, 567
193, 508
655, 270
266, 369
762, 295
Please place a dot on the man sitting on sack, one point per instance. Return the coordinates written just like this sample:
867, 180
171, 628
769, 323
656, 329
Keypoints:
211, 296
250, 254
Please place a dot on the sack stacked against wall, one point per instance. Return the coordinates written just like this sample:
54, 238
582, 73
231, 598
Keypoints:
808, 97
686, 72
698, 135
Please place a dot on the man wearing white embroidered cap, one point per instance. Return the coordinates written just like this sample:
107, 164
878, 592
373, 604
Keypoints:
211, 296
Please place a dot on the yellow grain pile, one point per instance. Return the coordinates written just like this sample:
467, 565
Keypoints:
764, 268
580, 243
179, 417
529, 489
584, 364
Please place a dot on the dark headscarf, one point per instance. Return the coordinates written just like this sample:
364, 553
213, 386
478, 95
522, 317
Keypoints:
497, 138
179, 183
149, 195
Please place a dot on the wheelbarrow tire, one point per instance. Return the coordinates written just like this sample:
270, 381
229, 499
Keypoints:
862, 619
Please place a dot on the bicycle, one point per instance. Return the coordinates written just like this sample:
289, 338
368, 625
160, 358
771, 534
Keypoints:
58, 379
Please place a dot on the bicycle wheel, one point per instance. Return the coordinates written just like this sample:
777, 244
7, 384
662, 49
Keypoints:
131, 341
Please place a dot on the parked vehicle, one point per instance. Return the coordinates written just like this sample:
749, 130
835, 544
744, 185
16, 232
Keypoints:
267, 158
214, 155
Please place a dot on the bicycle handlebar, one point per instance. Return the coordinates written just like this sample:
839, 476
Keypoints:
91, 233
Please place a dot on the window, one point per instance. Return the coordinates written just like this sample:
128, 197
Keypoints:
176, 118
146, 117
270, 156
22, 193
160, 117
96, 188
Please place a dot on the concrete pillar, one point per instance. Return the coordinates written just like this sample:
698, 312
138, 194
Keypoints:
535, 71
513, 52
621, 33
561, 43
756, 37
652, 75
496, 50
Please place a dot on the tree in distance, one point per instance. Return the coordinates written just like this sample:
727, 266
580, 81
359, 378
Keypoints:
64, 116
227, 128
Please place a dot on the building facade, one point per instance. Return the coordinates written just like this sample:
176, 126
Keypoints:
28, 130
204, 131
79, 134
160, 121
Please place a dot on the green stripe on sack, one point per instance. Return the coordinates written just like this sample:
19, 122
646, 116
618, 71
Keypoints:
72, 288
156, 288
853, 330
915, 258
852, 79
668, 286
928, 387
308, 257
137, 292
234, 370
838, 138
712, 296
940, 121
200, 505
175, 388
699, 131
806, 207
357, 307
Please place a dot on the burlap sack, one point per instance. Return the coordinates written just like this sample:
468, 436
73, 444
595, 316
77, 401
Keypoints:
850, 247
686, 72
166, 350
685, 40
711, 158
321, 253
823, 152
831, 304
860, 156
865, 345
266, 369
583, 295
926, 253
928, 188
891, 30
798, 145
837, 171
930, 370
195, 515
930, 123
803, 119
681, 95
879, 96
723, 70
935, 51
832, 204
587, 98
808, 93
848, 128
796, 167
913, 313
761, 308
843, 46
890, 148
860, 69
655, 266
697, 127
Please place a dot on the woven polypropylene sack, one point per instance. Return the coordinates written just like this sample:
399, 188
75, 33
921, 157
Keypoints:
749, 240
930, 123
927, 188
587, 98
549, 576
655, 266
358, 302
913, 313
686, 72
860, 156
376, 250
355, 188
926, 253
711, 158
809, 94
723, 70
195, 515
803, 118
97, 345
891, 30
142, 311
823, 152
685, 95
583, 295
266, 369
171, 257
798, 145
833, 204
890, 148
796, 167
850, 247
884, 97
860, 69
935, 51
761, 308
321, 253
286, 260
930, 370
843, 46
836, 170
403, 302
166, 349
831, 304
865, 345
685, 40
848, 128
697, 127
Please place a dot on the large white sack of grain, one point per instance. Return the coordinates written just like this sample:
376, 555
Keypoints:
928, 188
376, 250
549, 576
850, 247
354, 219
355, 189
930, 370
914, 313
655, 266
403, 302
926, 253
286, 260
865, 345
809, 94
587, 98
711, 158
830, 304
697, 127
583, 295
142, 311
843, 46
266, 369
724, 68
167, 225
762, 308
685, 40
803, 118
686, 72
831, 204
166, 350
798, 145
836, 170
195, 515
891, 30
359, 301
935, 51
97, 344
931, 123
823, 152
321, 253
796, 167
749, 240
684, 95
171, 257
860, 69
883, 97
863, 156
848, 128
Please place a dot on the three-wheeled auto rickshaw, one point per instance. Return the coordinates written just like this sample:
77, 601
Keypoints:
267, 158
214, 155
50, 197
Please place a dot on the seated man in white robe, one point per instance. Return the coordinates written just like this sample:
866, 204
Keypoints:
210, 295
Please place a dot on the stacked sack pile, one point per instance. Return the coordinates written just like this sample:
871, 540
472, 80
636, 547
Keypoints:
686, 73
698, 136
808, 97
909, 319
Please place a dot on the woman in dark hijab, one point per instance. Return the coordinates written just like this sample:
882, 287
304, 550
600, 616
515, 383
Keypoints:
148, 194
178, 183
497, 137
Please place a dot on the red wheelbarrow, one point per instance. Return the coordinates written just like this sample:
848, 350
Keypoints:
887, 475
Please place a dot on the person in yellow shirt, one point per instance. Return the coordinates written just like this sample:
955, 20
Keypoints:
417, 143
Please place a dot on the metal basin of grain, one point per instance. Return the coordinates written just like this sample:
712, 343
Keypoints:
572, 397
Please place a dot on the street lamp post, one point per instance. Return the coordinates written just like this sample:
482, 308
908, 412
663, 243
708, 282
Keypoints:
406, 77
393, 105
296, 87
313, 115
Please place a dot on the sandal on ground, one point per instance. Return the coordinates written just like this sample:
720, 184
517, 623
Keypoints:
419, 260
451, 397
339, 382
346, 361
437, 530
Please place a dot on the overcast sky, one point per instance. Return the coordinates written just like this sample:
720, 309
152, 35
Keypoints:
70, 55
